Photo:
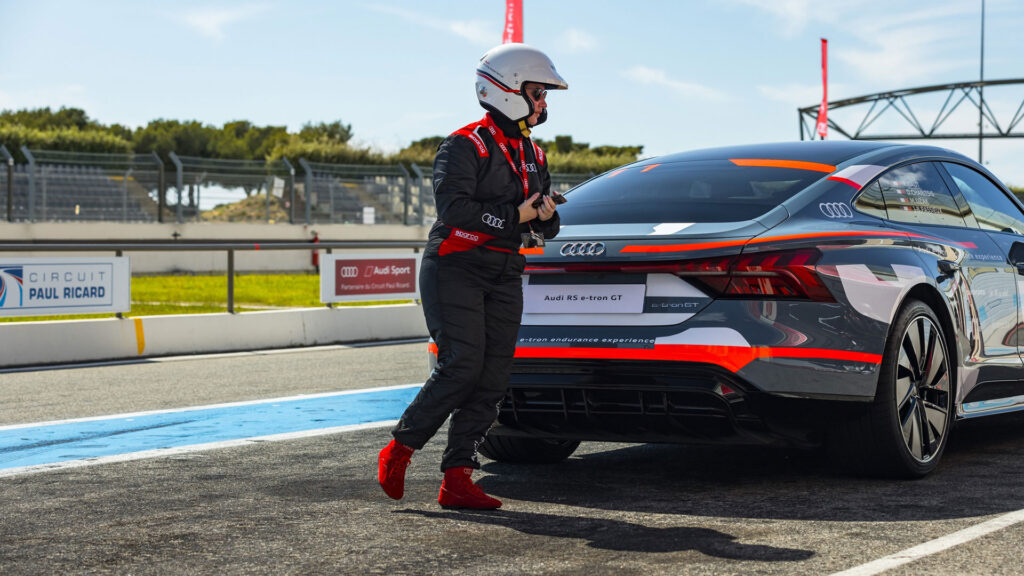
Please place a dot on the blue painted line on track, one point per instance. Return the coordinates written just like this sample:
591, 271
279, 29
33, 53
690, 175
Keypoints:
61, 442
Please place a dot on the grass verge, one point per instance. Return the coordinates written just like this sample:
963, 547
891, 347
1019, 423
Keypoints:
205, 294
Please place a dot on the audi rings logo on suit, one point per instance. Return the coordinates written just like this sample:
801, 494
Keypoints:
492, 220
582, 249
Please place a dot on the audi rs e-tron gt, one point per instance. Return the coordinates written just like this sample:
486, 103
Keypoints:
855, 294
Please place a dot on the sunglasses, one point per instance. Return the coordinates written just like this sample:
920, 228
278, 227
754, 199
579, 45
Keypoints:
538, 93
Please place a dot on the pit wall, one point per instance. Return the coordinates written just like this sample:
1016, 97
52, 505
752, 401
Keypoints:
206, 261
92, 340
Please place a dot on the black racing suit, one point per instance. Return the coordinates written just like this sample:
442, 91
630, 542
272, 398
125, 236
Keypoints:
471, 284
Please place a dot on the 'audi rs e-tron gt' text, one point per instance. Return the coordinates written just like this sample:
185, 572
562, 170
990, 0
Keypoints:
861, 295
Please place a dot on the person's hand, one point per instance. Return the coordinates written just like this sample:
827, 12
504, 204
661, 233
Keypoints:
547, 209
526, 210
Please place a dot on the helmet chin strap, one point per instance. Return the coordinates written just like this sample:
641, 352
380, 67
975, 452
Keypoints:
525, 128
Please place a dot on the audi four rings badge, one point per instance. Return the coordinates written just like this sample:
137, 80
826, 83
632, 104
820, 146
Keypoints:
835, 210
348, 271
582, 249
493, 221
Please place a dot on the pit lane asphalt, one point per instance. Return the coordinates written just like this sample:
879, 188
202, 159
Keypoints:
312, 505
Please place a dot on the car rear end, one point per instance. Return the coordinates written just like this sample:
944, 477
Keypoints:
682, 302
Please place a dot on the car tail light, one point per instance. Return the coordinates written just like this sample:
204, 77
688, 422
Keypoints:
773, 275
788, 274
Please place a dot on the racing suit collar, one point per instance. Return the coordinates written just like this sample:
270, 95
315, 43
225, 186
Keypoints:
507, 127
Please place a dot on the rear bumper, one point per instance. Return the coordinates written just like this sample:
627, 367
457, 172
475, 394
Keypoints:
632, 401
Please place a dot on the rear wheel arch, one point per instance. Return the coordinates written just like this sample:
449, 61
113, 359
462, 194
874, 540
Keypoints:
875, 439
929, 295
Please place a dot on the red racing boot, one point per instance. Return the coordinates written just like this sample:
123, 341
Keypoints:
391, 464
459, 491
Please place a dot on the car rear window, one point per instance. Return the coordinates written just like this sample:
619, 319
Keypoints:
707, 191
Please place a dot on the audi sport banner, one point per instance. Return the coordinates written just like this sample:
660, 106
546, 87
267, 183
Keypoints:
822, 127
369, 277
513, 22
50, 286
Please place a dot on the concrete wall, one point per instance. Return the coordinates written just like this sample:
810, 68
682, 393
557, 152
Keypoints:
206, 262
60, 342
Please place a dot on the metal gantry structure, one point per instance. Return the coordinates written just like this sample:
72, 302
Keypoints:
898, 102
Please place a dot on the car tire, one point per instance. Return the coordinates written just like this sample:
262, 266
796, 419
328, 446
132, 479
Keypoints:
905, 430
520, 450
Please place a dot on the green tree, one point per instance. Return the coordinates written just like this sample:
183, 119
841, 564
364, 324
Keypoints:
68, 139
420, 152
332, 132
326, 151
46, 119
183, 138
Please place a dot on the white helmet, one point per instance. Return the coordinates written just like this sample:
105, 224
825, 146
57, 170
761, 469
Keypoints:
502, 72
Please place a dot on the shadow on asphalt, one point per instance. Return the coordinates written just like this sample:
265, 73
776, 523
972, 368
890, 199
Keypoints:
979, 475
621, 536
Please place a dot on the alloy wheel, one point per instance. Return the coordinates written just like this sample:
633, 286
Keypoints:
922, 389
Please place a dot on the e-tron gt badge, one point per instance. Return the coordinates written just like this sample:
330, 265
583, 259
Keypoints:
582, 249
835, 210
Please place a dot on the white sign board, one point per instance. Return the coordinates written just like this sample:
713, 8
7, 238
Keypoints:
369, 277
583, 298
51, 286
369, 214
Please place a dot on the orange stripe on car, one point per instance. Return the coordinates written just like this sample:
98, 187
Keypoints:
732, 358
651, 167
655, 248
531, 251
770, 163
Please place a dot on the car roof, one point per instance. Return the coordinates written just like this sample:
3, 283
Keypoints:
822, 151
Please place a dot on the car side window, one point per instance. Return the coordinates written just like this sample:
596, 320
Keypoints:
917, 194
991, 207
870, 201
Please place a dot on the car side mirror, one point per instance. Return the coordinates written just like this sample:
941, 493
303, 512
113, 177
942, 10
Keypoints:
1017, 257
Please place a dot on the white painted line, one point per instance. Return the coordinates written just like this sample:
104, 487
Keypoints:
207, 407
934, 546
163, 452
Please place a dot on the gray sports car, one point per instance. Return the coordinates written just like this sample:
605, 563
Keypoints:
854, 294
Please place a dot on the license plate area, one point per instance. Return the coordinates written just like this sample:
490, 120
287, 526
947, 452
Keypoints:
599, 293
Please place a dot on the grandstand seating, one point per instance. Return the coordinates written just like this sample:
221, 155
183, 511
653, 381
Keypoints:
80, 193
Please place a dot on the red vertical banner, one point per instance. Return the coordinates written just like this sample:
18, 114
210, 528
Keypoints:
513, 22
822, 127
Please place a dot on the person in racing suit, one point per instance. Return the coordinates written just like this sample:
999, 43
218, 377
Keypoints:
492, 191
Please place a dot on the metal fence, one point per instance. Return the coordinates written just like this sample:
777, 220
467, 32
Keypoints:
208, 183
70, 186
77, 186
355, 194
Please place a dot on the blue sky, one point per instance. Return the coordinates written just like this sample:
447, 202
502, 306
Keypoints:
668, 75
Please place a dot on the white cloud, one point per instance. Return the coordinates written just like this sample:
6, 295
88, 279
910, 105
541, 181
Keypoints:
210, 21
792, 14
476, 31
579, 41
656, 77
901, 49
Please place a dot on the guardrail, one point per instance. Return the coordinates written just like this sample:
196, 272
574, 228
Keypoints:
119, 248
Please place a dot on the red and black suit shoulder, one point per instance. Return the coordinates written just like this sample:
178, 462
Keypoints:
477, 194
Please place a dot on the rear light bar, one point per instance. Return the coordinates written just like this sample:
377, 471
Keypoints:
786, 275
